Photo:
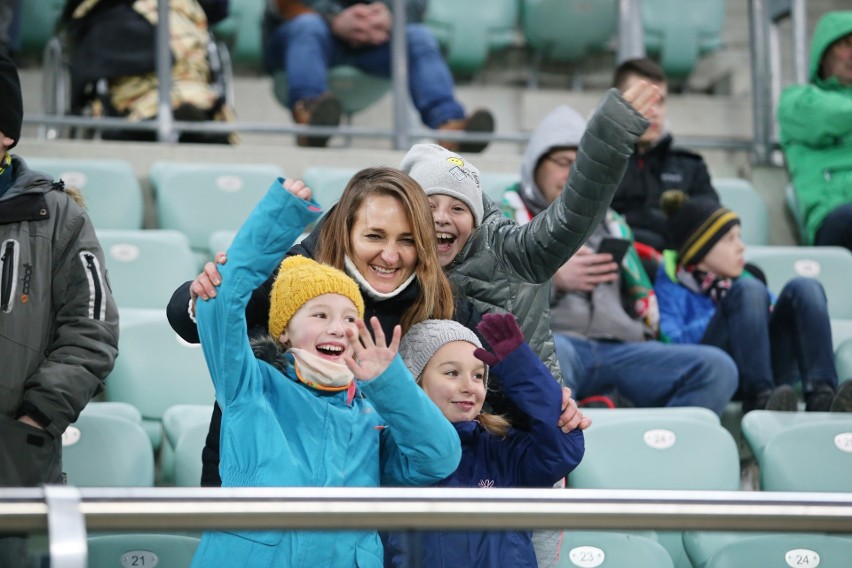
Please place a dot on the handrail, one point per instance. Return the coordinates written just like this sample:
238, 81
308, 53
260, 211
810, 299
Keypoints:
117, 509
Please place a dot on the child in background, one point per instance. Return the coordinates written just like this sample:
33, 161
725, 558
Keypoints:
705, 296
299, 417
452, 368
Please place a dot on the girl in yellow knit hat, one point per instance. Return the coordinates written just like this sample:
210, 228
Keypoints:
295, 410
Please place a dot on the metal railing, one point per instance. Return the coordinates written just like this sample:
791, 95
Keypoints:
68, 512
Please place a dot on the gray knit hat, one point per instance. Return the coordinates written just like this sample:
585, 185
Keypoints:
424, 339
442, 172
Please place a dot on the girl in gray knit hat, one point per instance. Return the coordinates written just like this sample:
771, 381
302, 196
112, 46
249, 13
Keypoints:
449, 363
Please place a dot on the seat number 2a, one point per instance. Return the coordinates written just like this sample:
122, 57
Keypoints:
801, 558
139, 559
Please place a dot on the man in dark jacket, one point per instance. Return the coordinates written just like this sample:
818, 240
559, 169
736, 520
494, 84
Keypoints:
656, 165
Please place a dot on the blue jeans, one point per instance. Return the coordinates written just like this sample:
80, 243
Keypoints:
649, 373
788, 344
305, 48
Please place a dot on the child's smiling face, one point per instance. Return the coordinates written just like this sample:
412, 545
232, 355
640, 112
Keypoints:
453, 225
319, 327
455, 381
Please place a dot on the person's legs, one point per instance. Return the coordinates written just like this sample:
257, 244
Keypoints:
800, 334
741, 328
836, 228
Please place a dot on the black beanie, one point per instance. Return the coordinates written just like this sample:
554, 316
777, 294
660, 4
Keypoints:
695, 225
11, 105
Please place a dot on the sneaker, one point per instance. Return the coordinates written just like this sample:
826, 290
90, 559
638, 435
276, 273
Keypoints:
480, 121
820, 399
324, 110
783, 398
842, 401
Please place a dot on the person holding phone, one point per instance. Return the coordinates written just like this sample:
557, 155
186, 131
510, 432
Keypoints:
604, 314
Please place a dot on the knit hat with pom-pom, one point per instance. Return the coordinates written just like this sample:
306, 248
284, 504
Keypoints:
695, 224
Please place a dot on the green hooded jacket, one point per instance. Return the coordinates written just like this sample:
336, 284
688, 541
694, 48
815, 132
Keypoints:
816, 130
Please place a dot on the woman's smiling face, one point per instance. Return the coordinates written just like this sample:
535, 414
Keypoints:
382, 244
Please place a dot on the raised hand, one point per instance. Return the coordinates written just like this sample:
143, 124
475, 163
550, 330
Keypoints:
298, 188
643, 96
205, 284
502, 333
370, 356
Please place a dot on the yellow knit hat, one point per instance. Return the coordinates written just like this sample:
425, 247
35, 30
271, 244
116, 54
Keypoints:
301, 279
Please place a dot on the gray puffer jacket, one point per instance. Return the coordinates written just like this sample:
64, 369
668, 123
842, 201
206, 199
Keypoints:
505, 267
58, 319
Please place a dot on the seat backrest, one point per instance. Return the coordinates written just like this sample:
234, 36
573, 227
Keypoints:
650, 452
146, 266
700, 546
104, 450
157, 369
242, 27
814, 456
120, 409
739, 196
197, 198
110, 187
788, 549
38, 23
677, 32
791, 200
188, 455
466, 46
843, 360
616, 550
327, 183
566, 30
139, 549
606, 415
355, 89
759, 427
832, 266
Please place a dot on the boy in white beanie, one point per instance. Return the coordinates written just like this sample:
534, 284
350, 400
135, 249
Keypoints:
319, 402
450, 365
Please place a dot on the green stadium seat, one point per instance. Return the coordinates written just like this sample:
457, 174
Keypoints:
813, 456
177, 420
832, 266
155, 370
495, 184
791, 200
740, 196
39, 19
659, 452
188, 456
701, 545
678, 32
138, 549
105, 450
606, 415
613, 550
110, 187
788, 549
146, 266
198, 199
241, 31
566, 30
841, 330
469, 31
843, 360
327, 183
355, 89
120, 409
762, 426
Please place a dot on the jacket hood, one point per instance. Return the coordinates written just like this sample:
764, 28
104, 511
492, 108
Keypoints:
830, 28
562, 127
267, 349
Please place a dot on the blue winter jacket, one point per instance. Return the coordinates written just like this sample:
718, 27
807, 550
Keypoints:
538, 458
277, 431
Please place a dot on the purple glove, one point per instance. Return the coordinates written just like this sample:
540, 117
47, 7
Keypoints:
501, 331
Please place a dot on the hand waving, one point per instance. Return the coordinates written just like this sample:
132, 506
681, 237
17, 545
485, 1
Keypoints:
501, 331
371, 357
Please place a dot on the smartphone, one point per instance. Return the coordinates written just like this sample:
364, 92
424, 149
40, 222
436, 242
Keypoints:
614, 246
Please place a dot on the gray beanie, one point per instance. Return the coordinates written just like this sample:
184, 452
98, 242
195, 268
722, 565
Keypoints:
423, 340
442, 172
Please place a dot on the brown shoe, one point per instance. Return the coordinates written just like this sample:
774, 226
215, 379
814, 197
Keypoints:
480, 121
324, 110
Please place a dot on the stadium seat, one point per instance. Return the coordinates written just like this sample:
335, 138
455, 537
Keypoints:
606, 415
566, 30
788, 549
832, 266
120, 409
659, 452
843, 360
469, 31
110, 187
188, 455
198, 199
677, 33
178, 420
701, 545
146, 266
762, 426
740, 196
156, 370
608, 549
327, 183
104, 450
495, 184
812, 456
791, 200
140, 549
841, 331
241, 31
38, 24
